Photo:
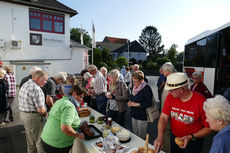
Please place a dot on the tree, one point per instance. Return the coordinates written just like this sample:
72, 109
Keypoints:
120, 61
75, 34
180, 57
97, 57
107, 58
150, 40
172, 53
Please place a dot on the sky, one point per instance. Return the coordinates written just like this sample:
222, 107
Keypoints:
176, 20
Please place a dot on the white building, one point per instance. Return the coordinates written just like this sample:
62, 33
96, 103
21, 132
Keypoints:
37, 32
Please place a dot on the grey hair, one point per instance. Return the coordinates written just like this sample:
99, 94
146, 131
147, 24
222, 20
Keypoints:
87, 75
114, 72
218, 108
2, 71
197, 73
60, 75
136, 65
168, 66
34, 69
103, 68
91, 68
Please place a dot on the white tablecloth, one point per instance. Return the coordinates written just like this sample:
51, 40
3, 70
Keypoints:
85, 146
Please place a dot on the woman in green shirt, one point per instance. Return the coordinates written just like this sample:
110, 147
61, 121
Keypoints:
59, 131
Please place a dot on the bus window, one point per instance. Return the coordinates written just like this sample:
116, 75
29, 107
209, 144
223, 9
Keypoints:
211, 51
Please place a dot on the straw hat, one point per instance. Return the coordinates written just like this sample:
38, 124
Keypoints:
176, 80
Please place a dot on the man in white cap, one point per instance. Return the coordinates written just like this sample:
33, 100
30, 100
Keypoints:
185, 110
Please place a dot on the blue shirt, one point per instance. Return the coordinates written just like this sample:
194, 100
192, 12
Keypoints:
161, 79
221, 142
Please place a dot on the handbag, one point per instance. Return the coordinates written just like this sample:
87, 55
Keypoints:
152, 112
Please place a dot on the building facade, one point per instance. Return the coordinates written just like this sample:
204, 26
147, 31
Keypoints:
37, 32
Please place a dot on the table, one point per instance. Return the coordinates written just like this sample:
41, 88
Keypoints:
85, 146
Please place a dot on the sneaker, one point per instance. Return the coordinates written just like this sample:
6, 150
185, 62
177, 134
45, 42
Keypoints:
4, 123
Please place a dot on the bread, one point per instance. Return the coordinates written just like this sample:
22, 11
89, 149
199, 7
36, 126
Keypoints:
142, 150
134, 151
99, 144
179, 142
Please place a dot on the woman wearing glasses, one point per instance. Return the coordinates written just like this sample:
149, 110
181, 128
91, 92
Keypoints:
199, 86
140, 98
59, 131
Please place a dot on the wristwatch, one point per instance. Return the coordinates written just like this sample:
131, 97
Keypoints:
193, 138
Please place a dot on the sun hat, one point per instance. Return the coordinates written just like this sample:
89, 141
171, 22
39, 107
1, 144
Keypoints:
176, 80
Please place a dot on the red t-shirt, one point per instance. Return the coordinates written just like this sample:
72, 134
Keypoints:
186, 117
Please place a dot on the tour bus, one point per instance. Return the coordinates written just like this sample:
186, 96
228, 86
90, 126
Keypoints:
209, 53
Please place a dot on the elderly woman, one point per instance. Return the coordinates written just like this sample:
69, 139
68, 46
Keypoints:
90, 98
199, 86
104, 71
11, 91
59, 131
70, 82
117, 98
217, 111
3, 97
140, 98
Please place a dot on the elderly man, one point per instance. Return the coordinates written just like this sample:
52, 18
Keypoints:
188, 121
51, 86
32, 110
99, 88
26, 78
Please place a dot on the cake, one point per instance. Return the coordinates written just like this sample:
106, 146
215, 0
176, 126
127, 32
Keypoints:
83, 112
87, 130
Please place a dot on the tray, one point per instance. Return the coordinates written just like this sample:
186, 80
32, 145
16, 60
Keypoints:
97, 133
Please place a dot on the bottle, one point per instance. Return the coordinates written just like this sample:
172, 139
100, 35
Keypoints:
109, 121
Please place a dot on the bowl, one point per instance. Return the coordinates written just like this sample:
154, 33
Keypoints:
123, 135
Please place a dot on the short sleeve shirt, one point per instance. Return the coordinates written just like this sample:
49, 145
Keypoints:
186, 117
49, 88
30, 96
62, 112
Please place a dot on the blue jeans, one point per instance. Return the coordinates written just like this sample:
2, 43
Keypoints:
101, 103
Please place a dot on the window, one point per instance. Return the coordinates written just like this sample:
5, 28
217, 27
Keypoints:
46, 22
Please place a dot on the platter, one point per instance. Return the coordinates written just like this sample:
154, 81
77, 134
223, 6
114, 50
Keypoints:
97, 133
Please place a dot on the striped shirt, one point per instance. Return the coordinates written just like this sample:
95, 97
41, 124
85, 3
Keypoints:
11, 85
30, 96
99, 83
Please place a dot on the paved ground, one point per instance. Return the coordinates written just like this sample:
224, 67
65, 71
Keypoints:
12, 136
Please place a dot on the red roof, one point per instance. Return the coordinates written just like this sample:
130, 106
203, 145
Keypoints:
115, 40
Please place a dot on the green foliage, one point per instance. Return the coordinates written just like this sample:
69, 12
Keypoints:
120, 61
150, 40
75, 34
151, 65
144, 64
133, 61
161, 60
180, 57
172, 53
97, 57
107, 59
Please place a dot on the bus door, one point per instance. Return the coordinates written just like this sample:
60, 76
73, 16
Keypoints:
224, 61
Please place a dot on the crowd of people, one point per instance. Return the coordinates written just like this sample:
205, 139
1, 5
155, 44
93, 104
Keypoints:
48, 107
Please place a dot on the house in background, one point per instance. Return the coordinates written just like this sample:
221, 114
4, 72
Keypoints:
120, 47
131, 50
37, 32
